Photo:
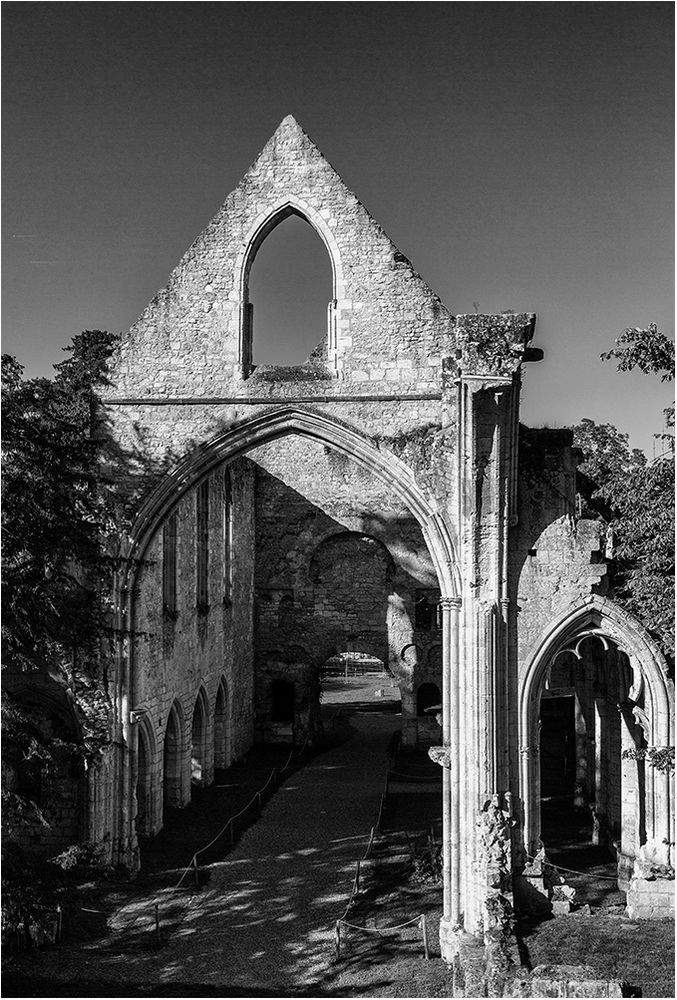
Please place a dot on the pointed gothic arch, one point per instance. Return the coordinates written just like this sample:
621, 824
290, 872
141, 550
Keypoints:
175, 775
263, 226
274, 423
222, 727
648, 683
147, 818
200, 760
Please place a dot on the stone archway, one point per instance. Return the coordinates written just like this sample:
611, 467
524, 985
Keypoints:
645, 700
318, 426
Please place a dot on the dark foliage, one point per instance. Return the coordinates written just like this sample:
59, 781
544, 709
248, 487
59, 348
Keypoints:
636, 497
58, 522
57, 512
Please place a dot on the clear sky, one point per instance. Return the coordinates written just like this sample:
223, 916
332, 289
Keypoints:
520, 154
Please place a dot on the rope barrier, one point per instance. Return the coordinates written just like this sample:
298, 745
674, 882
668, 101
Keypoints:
420, 920
193, 864
356, 880
382, 930
572, 871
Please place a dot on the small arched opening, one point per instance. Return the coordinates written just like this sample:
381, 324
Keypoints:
173, 783
222, 749
198, 761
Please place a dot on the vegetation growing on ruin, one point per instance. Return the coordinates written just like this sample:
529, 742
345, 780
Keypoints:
414, 446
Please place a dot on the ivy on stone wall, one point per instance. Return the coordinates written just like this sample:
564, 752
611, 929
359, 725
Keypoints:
662, 758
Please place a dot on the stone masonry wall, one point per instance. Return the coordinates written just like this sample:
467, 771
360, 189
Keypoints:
556, 559
177, 655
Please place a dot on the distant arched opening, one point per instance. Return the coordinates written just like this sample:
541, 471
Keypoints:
222, 750
282, 701
289, 291
198, 764
359, 678
173, 794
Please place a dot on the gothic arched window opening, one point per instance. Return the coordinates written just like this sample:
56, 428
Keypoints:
290, 286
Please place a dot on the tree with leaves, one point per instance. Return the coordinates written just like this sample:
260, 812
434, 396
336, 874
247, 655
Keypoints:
58, 511
636, 497
58, 522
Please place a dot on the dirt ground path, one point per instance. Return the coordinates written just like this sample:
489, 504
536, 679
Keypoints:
264, 923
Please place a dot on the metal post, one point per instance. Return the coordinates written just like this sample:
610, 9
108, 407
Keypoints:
424, 932
357, 878
157, 924
196, 869
59, 916
337, 935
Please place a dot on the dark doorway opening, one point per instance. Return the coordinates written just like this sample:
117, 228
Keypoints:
558, 748
428, 699
283, 701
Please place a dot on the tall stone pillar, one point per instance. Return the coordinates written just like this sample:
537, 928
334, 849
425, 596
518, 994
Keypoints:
448, 755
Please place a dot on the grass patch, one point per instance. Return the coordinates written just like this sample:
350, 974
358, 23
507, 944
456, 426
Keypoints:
638, 952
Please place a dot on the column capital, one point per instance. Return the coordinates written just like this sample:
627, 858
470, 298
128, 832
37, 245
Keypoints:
451, 603
440, 755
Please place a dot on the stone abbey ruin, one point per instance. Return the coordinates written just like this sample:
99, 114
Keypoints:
382, 500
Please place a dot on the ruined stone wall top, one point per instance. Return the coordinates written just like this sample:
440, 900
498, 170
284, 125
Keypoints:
386, 327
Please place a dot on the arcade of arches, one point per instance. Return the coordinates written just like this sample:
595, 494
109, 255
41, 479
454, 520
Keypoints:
381, 497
